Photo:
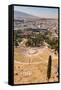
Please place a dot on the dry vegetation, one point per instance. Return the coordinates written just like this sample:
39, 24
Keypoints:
32, 68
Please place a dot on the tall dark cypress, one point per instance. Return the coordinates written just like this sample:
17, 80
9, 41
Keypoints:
49, 68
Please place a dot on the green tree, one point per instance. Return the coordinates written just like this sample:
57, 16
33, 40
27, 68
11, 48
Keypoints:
49, 68
16, 44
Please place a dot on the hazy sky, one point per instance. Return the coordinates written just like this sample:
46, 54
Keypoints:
39, 11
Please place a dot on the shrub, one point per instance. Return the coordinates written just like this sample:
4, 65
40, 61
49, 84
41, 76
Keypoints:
16, 44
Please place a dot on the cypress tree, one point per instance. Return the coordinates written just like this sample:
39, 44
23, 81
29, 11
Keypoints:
49, 68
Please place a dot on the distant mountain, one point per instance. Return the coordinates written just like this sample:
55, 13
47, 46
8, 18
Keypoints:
21, 15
